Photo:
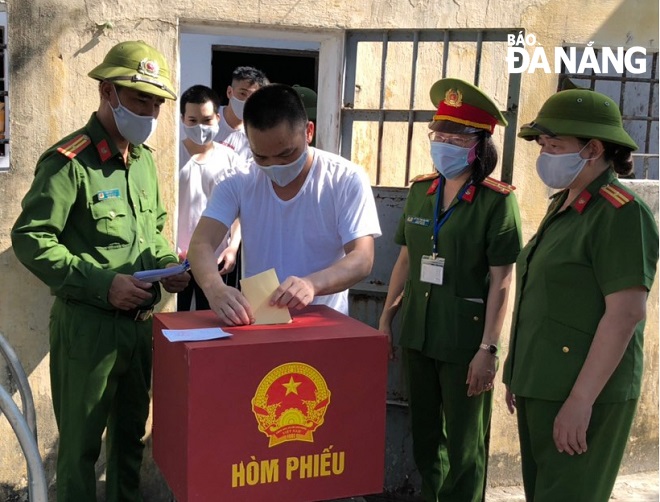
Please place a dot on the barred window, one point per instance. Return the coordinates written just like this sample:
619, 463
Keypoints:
637, 95
4, 96
386, 104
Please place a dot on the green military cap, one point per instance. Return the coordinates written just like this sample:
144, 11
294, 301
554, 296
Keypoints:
308, 97
136, 65
463, 103
580, 113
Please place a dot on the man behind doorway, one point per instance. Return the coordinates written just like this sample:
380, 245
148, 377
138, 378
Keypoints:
244, 81
309, 98
91, 219
207, 165
307, 213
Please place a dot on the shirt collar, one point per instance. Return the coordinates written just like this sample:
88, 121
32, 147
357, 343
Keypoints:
582, 201
103, 143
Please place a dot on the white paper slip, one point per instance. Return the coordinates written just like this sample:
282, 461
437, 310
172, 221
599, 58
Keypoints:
194, 335
157, 274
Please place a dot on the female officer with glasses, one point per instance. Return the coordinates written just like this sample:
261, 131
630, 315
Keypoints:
459, 236
575, 360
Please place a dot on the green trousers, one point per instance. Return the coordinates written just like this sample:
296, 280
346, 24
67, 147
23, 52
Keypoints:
100, 370
550, 476
448, 429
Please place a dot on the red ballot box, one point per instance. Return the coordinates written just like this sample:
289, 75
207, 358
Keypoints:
289, 412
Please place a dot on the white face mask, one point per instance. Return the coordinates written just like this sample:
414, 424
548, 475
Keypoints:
560, 170
283, 174
237, 107
136, 129
201, 134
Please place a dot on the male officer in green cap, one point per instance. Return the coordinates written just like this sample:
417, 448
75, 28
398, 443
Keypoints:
308, 97
92, 218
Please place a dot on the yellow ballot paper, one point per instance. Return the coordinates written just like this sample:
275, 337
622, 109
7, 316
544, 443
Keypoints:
258, 289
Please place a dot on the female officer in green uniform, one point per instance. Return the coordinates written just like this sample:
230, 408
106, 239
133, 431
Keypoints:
575, 360
459, 236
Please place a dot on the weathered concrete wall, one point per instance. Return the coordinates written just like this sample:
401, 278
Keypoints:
54, 43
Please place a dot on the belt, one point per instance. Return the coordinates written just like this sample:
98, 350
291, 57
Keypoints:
133, 314
136, 314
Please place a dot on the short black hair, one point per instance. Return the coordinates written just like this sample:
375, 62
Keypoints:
273, 104
199, 94
249, 74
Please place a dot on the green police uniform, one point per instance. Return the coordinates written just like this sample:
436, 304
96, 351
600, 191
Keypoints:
442, 327
87, 217
606, 241
442, 323
564, 273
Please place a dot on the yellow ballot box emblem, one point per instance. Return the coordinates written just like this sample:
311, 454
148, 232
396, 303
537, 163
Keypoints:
290, 403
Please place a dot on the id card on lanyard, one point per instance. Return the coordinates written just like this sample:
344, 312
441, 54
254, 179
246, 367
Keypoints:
433, 267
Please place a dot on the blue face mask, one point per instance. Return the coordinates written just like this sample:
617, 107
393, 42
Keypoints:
450, 160
283, 174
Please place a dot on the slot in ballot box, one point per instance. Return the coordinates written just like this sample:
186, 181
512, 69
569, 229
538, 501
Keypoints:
290, 412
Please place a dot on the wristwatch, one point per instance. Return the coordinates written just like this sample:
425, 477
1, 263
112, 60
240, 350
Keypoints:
491, 349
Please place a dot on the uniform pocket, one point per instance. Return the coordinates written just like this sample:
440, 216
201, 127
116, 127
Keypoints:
469, 323
148, 215
111, 220
564, 349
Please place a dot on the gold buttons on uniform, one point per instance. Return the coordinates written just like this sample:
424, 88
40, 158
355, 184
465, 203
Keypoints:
141, 240
475, 318
426, 294
112, 214
565, 350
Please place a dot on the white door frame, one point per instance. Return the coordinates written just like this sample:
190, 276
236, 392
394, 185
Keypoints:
196, 47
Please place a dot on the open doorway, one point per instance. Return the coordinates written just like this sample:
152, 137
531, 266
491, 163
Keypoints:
282, 66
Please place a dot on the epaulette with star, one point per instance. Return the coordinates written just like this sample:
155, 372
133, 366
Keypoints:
425, 177
74, 146
616, 195
428, 177
498, 186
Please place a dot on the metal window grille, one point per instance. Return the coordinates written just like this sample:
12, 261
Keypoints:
4, 98
386, 105
637, 95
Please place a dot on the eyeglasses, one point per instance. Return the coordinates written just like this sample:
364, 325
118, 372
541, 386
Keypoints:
463, 140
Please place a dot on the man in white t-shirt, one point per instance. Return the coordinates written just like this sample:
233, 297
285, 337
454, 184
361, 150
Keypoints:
203, 164
244, 81
307, 213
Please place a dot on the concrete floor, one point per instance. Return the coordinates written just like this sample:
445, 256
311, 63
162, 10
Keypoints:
640, 487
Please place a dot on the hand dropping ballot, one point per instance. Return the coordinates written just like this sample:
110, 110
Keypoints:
258, 289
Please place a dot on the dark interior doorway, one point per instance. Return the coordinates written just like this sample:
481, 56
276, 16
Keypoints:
280, 66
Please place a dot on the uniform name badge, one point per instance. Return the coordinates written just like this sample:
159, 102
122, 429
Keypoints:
432, 270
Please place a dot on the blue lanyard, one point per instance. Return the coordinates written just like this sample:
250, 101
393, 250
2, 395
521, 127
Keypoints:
440, 222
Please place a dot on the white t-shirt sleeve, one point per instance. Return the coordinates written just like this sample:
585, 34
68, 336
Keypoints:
358, 216
225, 162
224, 204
